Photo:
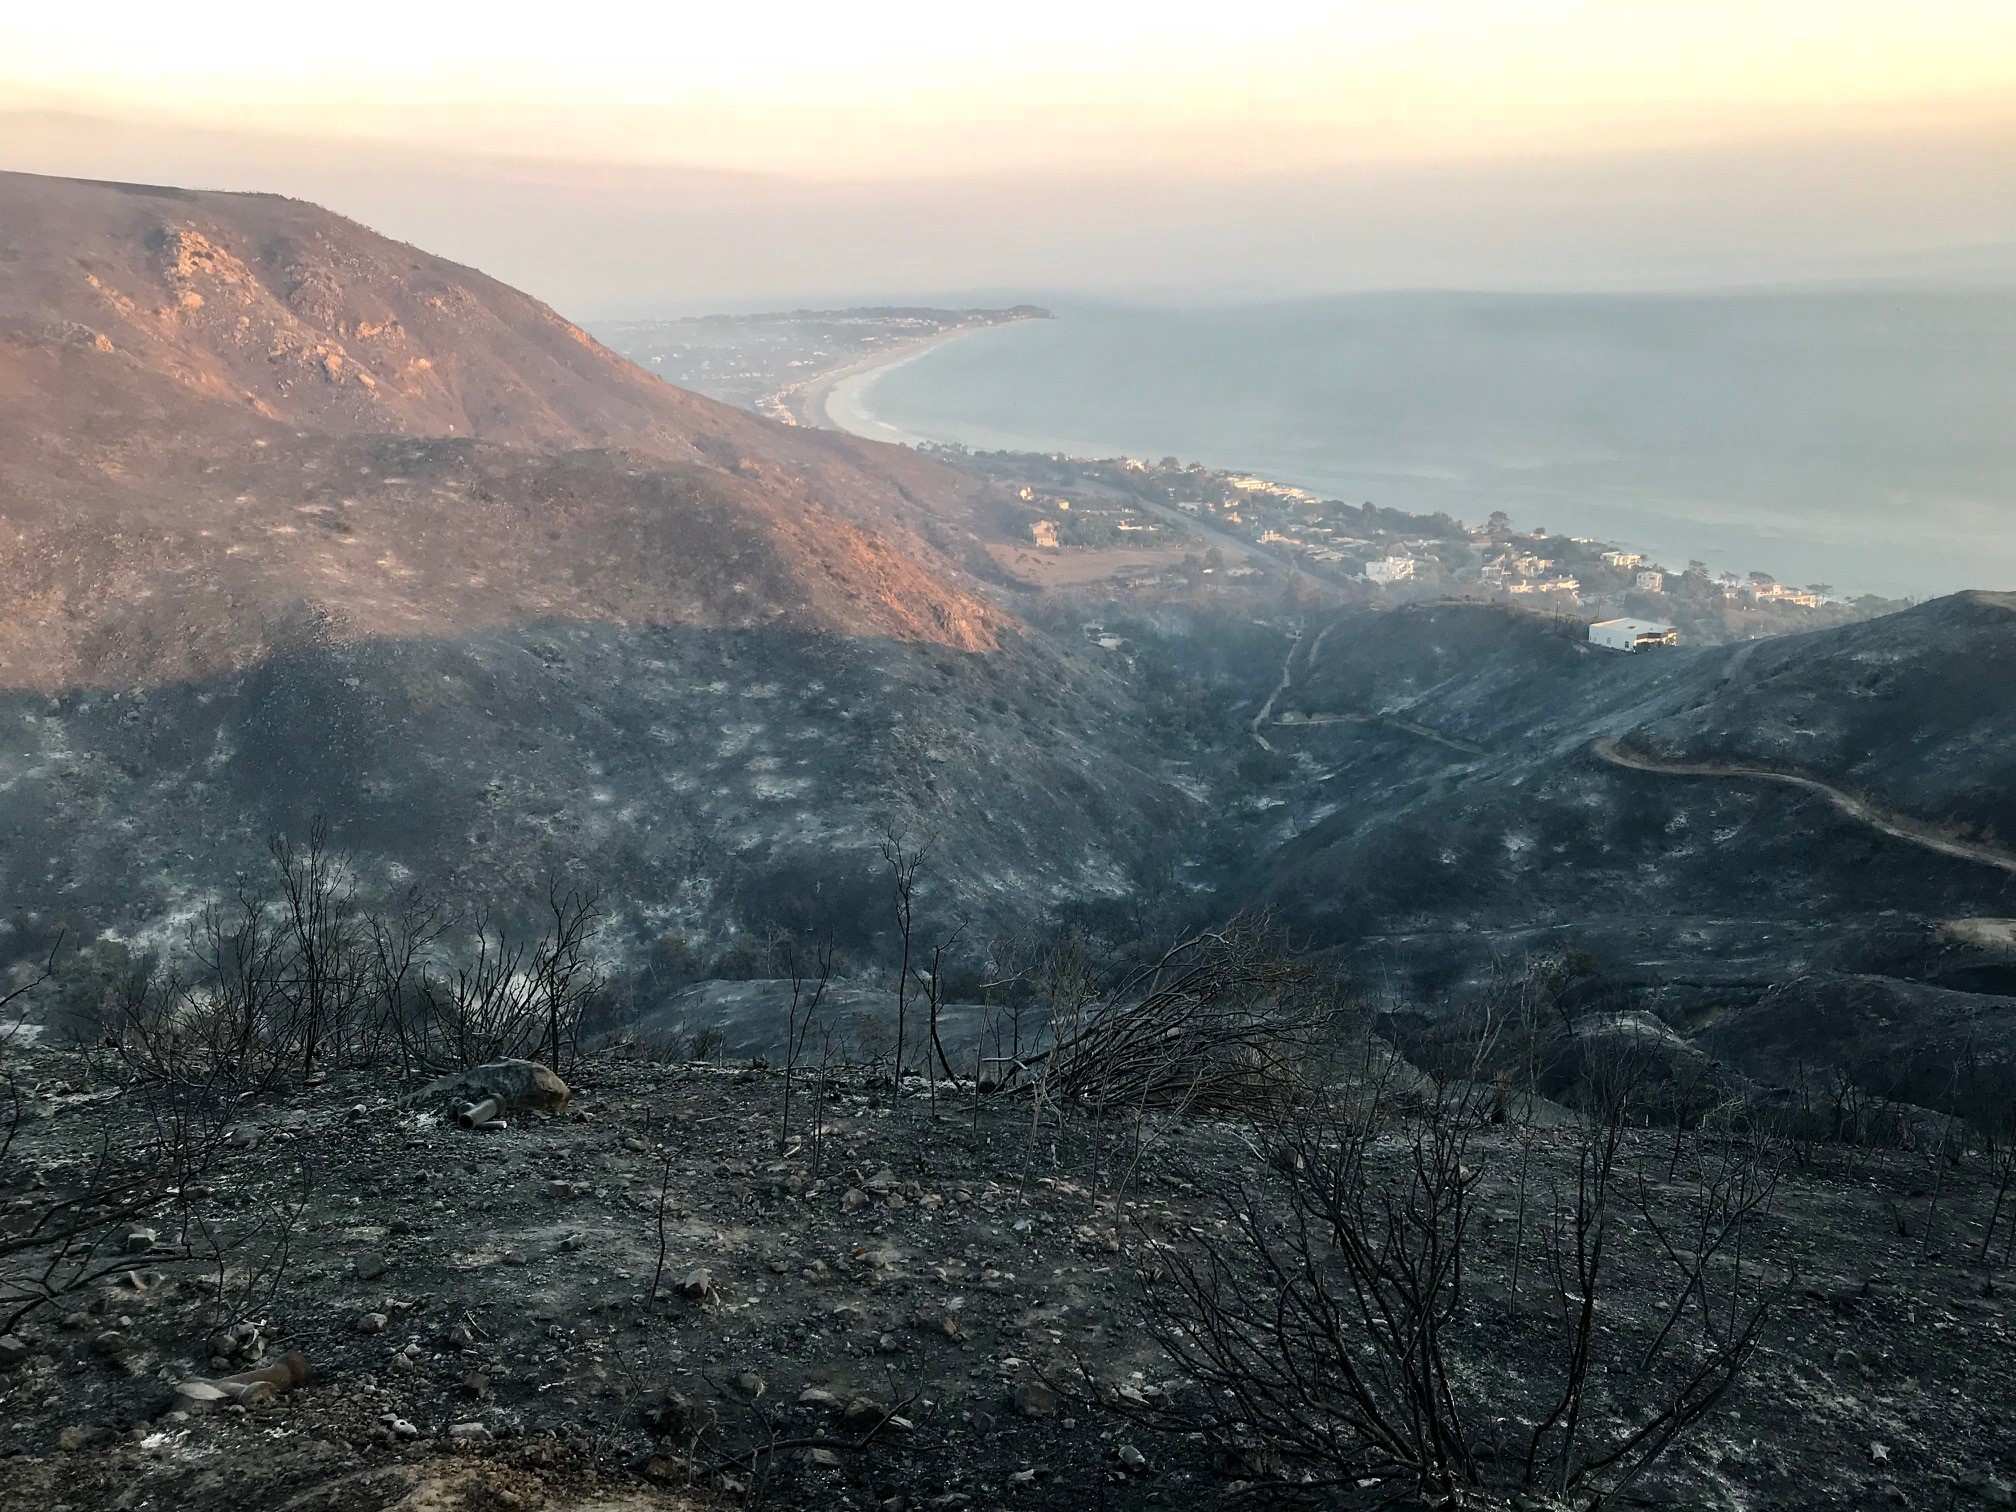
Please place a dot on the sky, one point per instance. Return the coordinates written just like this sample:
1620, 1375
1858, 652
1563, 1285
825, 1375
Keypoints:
632, 159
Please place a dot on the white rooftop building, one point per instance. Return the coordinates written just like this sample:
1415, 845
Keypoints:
1392, 569
1632, 634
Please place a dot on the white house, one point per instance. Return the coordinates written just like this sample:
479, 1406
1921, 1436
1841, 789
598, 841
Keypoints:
1651, 582
1623, 561
1632, 635
1388, 570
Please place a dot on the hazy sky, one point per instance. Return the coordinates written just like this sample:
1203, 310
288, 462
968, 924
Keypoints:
620, 158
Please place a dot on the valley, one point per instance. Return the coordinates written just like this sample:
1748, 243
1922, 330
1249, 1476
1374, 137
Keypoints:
973, 901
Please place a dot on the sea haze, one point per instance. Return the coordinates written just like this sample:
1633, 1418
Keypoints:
1858, 438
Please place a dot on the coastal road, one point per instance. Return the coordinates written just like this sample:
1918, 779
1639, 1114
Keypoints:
1897, 826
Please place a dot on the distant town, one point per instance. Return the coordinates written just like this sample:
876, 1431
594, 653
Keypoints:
778, 363
1132, 526
1163, 524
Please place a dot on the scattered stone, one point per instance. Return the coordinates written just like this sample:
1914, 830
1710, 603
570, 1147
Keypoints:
1033, 1399
751, 1384
822, 1459
818, 1396
141, 1240
13, 1350
1132, 1458
862, 1414
111, 1344
369, 1267
698, 1285
372, 1323
882, 1183
400, 1428
853, 1200
469, 1432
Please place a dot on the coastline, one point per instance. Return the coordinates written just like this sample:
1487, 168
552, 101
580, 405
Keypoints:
834, 400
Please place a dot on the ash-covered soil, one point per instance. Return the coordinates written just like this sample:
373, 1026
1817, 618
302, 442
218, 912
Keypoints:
915, 1304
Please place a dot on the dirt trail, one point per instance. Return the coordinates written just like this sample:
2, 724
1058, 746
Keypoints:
1267, 708
1393, 721
1898, 826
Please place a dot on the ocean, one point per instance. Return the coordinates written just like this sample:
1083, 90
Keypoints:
1862, 439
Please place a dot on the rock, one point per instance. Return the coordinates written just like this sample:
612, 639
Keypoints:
882, 1183
1033, 1399
111, 1344
751, 1384
513, 1257
469, 1432
477, 1385
1131, 1458
141, 1240
853, 1200
400, 1428
368, 1267
672, 1416
818, 1396
1991, 1489
13, 1350
76, 1437
698, 1285
822, 1459
372, 1323
863, 1414
574, 1242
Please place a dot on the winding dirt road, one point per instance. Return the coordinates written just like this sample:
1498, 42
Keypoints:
1897, 826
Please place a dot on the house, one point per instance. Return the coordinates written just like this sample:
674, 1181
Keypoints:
1517, 564
1779, 593
1389, 570
1651, 582
1622, 561
1567, 585
1044, 533
1632, 634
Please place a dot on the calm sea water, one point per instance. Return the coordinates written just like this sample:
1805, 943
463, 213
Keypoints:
1865, 439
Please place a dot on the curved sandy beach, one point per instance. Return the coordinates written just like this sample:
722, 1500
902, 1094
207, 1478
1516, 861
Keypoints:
838, 400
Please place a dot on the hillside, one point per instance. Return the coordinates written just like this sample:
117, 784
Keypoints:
1454, 807
207, 386
296, 519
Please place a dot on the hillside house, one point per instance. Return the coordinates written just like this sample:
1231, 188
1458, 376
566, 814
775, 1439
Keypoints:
1632, 634
1651, 582
1389, 570
1563, 585
1044, 533
1622, 561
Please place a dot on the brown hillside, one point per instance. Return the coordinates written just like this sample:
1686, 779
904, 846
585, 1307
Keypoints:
224, 415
